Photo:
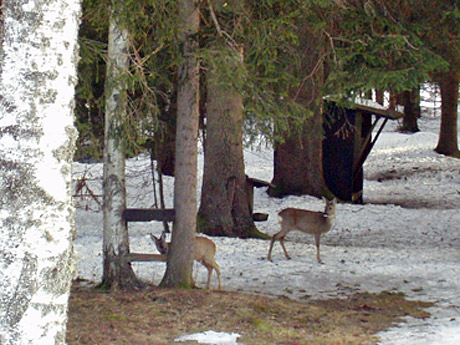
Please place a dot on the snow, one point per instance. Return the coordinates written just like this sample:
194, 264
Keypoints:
405, 238
212, 337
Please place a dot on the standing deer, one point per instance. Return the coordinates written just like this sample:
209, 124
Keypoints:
203, 252
310, 222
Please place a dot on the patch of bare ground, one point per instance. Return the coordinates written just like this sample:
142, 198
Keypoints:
158, 316
412, 203
450, 199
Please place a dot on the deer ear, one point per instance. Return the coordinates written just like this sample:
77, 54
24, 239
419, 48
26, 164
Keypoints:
152, 236
163, 236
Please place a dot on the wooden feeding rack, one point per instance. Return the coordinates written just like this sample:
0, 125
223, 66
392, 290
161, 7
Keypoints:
252, 183
350, 134
147, 215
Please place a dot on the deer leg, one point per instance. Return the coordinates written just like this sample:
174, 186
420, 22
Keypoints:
217, 269
269, 256
209, 267
284, 248
317, 240
278, 236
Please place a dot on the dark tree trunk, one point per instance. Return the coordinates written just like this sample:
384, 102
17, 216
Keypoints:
289, 167
448, 141
180, 257
225, 208
298, 167
166, 156
379, 96
165, 138
411, 103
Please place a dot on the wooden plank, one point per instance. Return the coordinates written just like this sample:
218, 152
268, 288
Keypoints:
367, 148
386, 113
369, 108
257, 183
148, 214
259, 217
130, 257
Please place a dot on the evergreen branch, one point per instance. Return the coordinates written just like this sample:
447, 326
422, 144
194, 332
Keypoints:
229, 39
315, 69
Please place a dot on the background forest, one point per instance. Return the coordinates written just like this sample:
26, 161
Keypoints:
354, 47
239, 70
158, 78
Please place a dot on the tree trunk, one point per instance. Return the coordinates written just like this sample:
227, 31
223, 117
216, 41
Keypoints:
298, 167
180, 258
117, 274
448, 140
225, 209
165, 138
380, 96
411, 103
37, 142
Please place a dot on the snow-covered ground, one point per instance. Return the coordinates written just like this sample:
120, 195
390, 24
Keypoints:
406, 237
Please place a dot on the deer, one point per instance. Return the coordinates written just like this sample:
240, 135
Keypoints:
203, 252
310, 222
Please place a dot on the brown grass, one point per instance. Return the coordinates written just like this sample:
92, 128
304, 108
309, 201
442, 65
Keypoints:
158, 316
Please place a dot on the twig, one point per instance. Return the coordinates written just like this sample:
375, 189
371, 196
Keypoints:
229, 39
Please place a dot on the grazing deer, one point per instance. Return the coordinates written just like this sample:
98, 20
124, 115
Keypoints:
310, 222
203, 252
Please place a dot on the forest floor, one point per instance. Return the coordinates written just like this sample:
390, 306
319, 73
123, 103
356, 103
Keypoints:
159, 316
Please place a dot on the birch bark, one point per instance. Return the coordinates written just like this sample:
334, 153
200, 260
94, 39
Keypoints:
38, 57
116, 272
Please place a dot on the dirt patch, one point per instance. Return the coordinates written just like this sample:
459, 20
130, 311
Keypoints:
412, 203
418, 199
158, 316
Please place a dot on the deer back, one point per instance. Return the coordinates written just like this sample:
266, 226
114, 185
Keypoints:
311, 222
204, 248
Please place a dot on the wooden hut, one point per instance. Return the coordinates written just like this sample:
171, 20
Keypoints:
350, 134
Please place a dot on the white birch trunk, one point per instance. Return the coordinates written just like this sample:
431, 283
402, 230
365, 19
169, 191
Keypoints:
115, 240
37, 138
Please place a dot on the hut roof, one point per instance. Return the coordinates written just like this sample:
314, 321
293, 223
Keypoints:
369, 107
